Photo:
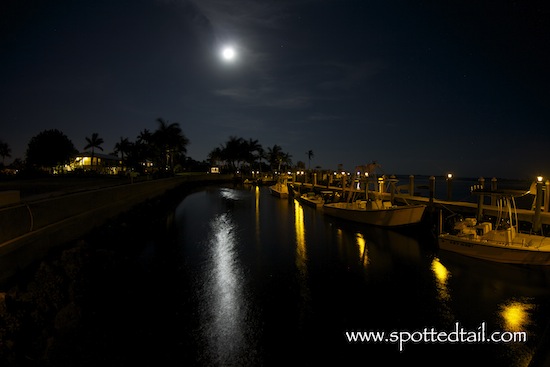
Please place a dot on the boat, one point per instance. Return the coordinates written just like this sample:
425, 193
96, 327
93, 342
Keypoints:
367, 206
500, 242
279, 189
376, 212
293, 190
313, 199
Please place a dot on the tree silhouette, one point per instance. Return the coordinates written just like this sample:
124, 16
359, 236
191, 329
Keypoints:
309, 156
5, 150
253, 151
49, 148
170, 141
145, 137
94, 142
278, 158
123, 147
232, 152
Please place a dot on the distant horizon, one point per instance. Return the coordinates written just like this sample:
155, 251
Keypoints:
9, 162
442, 175
349, 167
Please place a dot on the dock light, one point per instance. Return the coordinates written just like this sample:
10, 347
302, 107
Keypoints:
343, 172
539, 178
449, 186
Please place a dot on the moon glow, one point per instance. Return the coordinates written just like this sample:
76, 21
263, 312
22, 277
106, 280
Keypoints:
228, 53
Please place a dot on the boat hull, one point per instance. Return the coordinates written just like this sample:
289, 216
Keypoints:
390, 217
493, 252
278, 193
311, 202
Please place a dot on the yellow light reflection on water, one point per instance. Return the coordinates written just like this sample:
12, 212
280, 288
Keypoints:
301, 255
441, 276
339, 237
515, 315
363, 250
257, 212
301, 261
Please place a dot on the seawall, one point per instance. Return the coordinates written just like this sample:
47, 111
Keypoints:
30, 229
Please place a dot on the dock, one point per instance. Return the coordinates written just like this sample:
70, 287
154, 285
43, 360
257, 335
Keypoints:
447, 206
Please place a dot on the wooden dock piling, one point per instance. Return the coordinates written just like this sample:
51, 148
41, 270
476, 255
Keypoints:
480, 200
432, 191
538, 206
449, 186
405, 194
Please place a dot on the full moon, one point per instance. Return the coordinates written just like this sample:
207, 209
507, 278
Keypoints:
228, 53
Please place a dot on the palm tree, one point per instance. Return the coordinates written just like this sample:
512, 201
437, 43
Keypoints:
251, 151
143, 148
145, 137
261, 155
309, 156
273, 154
286, 159
277, 157
5, 150
123, 147
94, 142
216, 156
170, 140
232, 152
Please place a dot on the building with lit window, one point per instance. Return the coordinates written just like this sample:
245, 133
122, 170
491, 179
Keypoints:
103, 163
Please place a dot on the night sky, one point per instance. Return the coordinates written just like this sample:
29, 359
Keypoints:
421, 87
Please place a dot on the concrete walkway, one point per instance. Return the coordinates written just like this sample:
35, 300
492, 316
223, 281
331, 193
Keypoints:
29, 229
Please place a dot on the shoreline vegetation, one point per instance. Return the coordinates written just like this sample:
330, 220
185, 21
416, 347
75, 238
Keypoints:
160, 153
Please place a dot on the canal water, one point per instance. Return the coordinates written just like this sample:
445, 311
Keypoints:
265, 281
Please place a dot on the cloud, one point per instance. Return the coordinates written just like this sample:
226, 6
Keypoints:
239, 15
324, 117
264, 97
348, 75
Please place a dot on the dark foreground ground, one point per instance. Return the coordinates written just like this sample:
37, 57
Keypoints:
76, 306
94, 302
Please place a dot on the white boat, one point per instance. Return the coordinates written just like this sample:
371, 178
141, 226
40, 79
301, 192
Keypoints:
504, 243
279, 189
314, 199
376, 212
369, 206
